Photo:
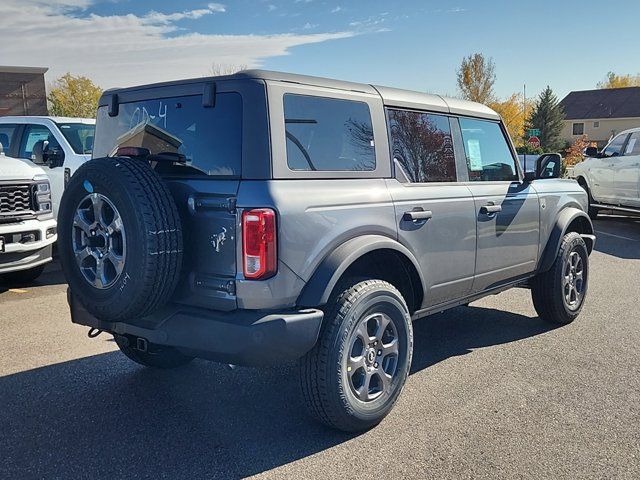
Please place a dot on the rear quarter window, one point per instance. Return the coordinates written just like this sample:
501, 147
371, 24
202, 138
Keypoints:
328, 134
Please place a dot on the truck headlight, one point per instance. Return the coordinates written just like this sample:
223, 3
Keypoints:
42, 195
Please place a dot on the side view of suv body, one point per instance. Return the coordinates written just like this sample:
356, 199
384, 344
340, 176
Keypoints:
57, 144
265, 217
27, 226
611, 177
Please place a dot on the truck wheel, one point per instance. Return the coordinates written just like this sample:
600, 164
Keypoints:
156, 357
591, 211
558, 294
120, 239
22, 277
355, 373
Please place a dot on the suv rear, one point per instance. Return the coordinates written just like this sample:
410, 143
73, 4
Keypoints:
265, 217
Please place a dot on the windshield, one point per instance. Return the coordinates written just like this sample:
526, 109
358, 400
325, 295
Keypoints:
208, 139
79, 135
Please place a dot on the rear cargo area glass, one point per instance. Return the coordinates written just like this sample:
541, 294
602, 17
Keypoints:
210, 138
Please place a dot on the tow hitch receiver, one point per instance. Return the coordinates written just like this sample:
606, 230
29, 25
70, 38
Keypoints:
142, 344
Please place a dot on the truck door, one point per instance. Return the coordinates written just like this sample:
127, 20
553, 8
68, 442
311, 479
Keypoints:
506, 210
603, 172
434, 212
626, 176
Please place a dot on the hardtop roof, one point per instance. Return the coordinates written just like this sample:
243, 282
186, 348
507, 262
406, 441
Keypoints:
390, 96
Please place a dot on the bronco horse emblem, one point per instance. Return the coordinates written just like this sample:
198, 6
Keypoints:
218, 239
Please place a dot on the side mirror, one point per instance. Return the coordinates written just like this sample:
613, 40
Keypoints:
591, 152
53, 156
549, 165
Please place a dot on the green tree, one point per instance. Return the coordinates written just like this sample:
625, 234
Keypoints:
476, 77
614, 80
547, 116
74, 96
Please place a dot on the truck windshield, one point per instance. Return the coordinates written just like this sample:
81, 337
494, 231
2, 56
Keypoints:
79, 135
208, 138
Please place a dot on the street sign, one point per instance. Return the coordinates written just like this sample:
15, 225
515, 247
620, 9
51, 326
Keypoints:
534, 142
533, 132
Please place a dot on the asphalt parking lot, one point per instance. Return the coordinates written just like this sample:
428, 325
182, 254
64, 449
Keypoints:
494, 392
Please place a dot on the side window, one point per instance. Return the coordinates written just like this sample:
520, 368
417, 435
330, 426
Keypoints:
328, 134
7, 132
489, 157
633, 145
33, 142
421, 143
614, 148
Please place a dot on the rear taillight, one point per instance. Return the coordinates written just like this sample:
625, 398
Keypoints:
259, 243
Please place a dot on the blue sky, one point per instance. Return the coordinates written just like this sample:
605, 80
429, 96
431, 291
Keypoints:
569, 45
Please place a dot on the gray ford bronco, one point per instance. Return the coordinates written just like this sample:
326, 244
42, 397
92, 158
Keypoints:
264, 217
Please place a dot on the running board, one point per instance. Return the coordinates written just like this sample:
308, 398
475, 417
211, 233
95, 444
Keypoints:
616, 208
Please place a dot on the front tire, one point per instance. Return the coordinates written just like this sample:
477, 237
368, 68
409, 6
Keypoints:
355, 373
559, 294
156, 357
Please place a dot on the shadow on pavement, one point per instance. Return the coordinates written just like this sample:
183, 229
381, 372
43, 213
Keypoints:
618, 236
104, 417
52, 275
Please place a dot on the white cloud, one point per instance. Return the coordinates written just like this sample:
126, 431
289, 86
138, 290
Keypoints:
166, 18
121, 50
336, 9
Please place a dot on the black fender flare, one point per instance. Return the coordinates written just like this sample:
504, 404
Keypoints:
565, 218
319, 287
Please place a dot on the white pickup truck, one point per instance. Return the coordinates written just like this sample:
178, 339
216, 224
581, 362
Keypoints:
57, 144
611, 177
27, 227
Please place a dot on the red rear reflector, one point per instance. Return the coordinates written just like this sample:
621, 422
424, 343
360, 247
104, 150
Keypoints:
259, 243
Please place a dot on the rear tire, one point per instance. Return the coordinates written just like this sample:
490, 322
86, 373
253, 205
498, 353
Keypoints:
22, 277
355, 373
157, 356
558, 294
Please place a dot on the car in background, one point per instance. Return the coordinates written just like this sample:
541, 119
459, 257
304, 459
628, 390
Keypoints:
27, 227
611, 176
58, 144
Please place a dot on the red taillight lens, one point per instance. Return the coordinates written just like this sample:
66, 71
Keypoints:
259, 243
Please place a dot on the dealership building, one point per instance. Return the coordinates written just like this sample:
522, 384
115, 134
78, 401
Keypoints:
23, 91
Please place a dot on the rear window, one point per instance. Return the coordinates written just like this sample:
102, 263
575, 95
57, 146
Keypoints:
328, 134
210, 138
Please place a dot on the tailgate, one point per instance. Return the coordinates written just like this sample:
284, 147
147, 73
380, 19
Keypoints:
208, 214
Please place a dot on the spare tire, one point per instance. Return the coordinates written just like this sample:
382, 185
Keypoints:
119, 238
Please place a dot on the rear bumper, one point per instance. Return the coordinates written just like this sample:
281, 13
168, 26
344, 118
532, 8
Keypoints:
242, 337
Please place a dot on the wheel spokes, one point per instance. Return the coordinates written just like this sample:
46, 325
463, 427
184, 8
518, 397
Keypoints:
373, 356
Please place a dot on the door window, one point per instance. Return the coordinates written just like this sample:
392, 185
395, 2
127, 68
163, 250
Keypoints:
633, 145
421, 143
33, 142
489, 157
614, 148
328, 134
7, 132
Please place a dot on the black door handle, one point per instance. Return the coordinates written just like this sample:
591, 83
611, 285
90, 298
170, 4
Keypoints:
418, 215
490, 209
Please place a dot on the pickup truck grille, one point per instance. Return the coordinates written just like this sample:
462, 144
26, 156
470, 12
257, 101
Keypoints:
16, 199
